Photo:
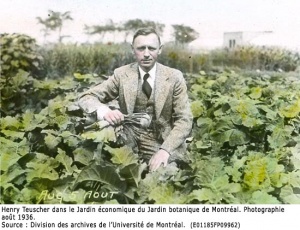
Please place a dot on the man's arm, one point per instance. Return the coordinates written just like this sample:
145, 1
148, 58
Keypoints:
183, 121
182, 116
96, 97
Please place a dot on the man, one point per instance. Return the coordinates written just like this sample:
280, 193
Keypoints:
146, 87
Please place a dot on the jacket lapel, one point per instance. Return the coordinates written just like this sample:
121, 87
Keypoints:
161, 89
131, 87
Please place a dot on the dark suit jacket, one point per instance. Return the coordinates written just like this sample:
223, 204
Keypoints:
171, 103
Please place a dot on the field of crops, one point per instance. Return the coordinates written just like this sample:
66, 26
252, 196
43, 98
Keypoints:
245, 146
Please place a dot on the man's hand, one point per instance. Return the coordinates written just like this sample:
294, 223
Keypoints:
160, 157
114, 117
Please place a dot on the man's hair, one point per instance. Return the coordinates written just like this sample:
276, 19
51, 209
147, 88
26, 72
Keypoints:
145, 31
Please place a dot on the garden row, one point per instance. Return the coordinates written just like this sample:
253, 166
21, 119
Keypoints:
56, 60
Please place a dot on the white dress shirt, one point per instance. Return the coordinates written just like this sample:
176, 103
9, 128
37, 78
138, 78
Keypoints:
151, 78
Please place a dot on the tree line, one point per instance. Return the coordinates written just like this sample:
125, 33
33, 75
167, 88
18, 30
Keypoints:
55, 21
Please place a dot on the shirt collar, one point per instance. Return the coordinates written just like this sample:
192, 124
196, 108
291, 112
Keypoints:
152, 72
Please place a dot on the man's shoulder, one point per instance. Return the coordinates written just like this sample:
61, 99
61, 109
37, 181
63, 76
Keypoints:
125, 68
167, 68
170, 72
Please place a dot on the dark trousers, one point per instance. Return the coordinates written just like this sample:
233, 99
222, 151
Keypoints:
143, 141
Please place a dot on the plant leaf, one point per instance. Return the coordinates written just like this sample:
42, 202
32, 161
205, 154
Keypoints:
256, 92
132, 173
261, 197
10, 122
83, 156
11, 152
104, 174
291, 110
13, 134
105, 135
227, 132
295, 158
288, 195
280, 136
52, 141
166, 194
197, 108
123, 155
42, 166
11, 173
65, 160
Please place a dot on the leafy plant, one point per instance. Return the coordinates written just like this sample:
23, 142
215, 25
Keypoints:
247, 126
20, 62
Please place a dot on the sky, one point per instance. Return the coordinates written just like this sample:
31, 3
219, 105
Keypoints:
210, 18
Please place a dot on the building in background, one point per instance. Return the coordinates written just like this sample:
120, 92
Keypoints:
242, 38
209, 40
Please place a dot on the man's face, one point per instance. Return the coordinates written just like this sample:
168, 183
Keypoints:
146, 49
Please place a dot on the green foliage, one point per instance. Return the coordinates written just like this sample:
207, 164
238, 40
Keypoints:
19, 62
245, 146
184, 34
62, 60
102, 59
247, 134
18, 51
262, 58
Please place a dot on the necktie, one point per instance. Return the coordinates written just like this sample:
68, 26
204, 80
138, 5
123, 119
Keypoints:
146, 86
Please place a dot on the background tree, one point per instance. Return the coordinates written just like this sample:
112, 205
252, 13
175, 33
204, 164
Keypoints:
184, 34
130, 26
47, 27
109, 28
53, 22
